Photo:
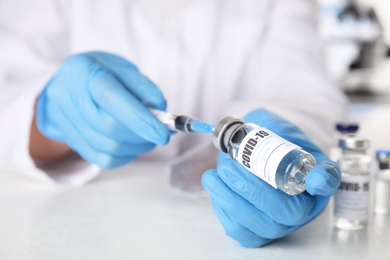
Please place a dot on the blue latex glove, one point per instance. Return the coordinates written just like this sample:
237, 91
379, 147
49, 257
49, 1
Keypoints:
252, 211
96, 103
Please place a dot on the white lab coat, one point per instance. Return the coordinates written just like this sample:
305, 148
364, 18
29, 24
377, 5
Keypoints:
210, 58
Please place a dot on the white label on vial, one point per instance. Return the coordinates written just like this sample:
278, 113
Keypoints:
351, 201
261, 152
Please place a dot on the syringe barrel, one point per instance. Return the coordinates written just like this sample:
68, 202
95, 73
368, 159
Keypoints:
174, 122
183, 123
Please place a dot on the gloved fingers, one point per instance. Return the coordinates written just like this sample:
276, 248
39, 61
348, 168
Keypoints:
223, 156
237, 232
44, 121
241, 210
112, 97
324, 179
284, 129
103, 144
274, 122
78, 143
143, 88
107, 136
107, 59
278, 206
108, 126
128, 74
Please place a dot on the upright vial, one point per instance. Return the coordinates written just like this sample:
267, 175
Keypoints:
382, 183
275, 160
351, 201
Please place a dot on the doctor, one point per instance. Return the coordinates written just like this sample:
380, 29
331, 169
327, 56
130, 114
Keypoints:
76, 78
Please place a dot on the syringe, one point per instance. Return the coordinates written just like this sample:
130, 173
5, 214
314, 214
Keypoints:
182, 123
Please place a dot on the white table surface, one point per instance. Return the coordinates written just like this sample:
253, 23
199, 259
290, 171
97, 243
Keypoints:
130, 213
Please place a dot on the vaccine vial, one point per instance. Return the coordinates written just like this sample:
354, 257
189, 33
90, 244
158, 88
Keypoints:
275, 160
382, 183
351, 200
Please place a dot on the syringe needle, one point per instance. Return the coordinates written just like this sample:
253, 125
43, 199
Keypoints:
198, 126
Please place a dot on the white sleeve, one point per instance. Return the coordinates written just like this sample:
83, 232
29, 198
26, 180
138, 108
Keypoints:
32, 44
286, 74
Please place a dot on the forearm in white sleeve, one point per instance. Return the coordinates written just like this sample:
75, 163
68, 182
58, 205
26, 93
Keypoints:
286, 75
32, 44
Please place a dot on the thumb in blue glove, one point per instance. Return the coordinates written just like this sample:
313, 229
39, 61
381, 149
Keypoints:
253, 212
95, 103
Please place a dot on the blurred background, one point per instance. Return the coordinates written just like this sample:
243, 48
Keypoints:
356, 34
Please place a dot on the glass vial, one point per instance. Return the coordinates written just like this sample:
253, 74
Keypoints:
382, 183
275, 160
351, 201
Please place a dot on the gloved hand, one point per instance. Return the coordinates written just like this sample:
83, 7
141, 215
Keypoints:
252, 211
97, 104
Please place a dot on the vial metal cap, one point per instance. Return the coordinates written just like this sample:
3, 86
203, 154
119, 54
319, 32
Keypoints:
347, 127
354, 142
383, 154
223, 131
383, 157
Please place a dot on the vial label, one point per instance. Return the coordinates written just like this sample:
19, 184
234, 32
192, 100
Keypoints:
351, 200
261, 152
